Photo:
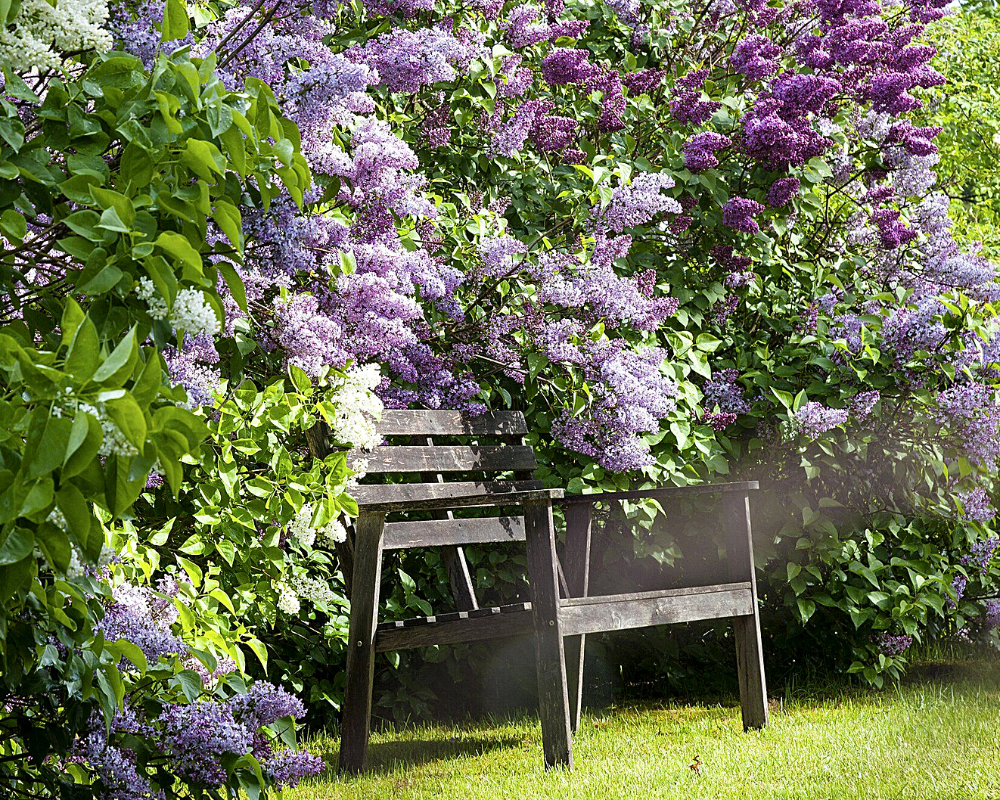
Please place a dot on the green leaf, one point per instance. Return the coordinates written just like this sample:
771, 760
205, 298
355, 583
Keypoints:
122, 357
180, 248
18, 544
806, 608
176, 23
127, 415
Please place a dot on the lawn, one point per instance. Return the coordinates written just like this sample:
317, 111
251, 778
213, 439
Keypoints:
937, 736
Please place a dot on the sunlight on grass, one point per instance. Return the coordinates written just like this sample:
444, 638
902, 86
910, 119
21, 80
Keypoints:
928, 739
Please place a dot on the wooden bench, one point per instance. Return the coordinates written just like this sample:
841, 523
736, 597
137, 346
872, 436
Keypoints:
514, 508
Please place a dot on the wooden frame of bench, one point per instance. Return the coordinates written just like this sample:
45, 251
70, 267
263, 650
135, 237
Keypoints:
561, 612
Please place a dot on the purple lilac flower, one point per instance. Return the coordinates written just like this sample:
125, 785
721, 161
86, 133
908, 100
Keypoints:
699, 150
115, 767
971, 415
977, 505
687, 105
517, 79
724, 394
613, 101
565, 67
197, 736
630, 396
991, 615
552, 133
643, 81
288, 767
893, 645
738, 213
782, 191
814, 419
135, 615
498, 254
981, 554
756, 57
863, 403
636, 203
724, 308
958, 585
265, 704
407, 60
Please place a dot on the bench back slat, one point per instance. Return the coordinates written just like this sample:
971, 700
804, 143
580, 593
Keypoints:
397, 422
445, 458
447, 532
396, 492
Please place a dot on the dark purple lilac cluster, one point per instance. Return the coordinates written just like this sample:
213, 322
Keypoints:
980, 557
700, 150
893, 645
565, 66
738, 213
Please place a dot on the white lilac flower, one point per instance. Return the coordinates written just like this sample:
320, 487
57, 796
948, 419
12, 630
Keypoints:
192, 313
288, 600
358, 408
317, 592
333, 532
300, 528
43, 31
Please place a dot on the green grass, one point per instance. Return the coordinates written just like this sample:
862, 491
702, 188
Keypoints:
937, 736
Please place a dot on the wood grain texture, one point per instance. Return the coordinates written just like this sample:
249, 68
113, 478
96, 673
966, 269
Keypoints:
550, 661
576, 565
360, 671
664, 492
444, 532
424, 496
456, 628
451, 423
646, 609
444, 458
749, 647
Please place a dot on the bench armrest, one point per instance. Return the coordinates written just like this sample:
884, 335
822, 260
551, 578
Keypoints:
493, 498
664, 492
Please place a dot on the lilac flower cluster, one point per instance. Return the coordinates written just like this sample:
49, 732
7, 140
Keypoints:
892, 645
407, 60
972, 417
981, 555
566, 66
700, 149
738, 213
863, 403
688, 105
138, 616
631, 396
977, 505
814, 419
636, 203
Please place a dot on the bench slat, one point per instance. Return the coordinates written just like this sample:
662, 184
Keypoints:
446, 458
398, 422
444, 532
455, 628
645, 609
420, 492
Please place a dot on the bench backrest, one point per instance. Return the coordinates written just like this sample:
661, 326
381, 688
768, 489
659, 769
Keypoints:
441, 455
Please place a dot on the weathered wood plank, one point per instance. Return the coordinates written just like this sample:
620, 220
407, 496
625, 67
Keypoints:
550, 660
645, 609
576, 564
444, 532
749, 648
457, 628
681, 592
443, 458
452, 616
451, 423
423, 496
663, 491
360, 671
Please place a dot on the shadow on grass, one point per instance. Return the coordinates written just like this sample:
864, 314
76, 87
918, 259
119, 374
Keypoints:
384, 757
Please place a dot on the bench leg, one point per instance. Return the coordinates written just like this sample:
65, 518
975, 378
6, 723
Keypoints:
550, 659
750, 663
577, 567
356, 717
749, 651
